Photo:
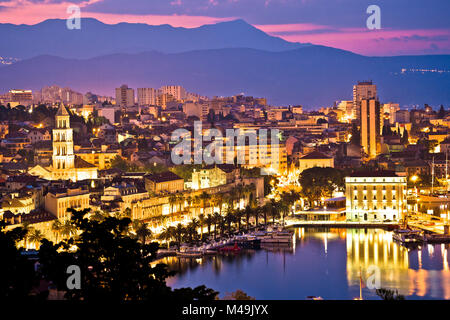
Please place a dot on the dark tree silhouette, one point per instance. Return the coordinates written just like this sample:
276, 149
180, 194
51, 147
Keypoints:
17, 275
387, 294
114, 266
320, 182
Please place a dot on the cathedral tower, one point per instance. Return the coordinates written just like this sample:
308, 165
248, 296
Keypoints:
63, 156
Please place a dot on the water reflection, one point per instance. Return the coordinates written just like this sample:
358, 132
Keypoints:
324, 262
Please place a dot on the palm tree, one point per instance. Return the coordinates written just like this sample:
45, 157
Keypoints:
142, 231
232, 196
204, 198
27, 228
191, 229
180, 200
209, 221
56, 228
229, 218
189, 200
284, 209
290, 198
239, 192
167, 234
265, 211
248, 213
273, 210
216, 220
257, 212
247, 191
201, 219
179, 233
35, 237
221, 224
238, 213
172, 200
68, 229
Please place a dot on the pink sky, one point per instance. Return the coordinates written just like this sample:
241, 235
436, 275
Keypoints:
365, 41
362, 41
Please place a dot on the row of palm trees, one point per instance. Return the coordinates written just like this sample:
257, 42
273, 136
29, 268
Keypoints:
217, 223
233, 220
205, 200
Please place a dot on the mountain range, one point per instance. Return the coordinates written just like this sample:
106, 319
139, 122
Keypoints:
96, 38
226, 59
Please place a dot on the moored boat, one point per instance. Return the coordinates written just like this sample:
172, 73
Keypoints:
407, 236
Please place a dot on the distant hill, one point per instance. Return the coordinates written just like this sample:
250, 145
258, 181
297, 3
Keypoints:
312, 76
96, 38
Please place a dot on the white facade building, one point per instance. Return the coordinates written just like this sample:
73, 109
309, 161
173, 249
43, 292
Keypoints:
376, 196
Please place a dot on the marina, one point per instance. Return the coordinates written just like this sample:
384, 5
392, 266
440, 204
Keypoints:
325, 263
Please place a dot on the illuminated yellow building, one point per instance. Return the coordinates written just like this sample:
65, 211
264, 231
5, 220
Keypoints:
208, 178
370, 127
58, 201
165, 182
375, 196
99, 158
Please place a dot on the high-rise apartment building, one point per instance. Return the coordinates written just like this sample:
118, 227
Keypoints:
178, 92
361, 91
147, 96
125, 96
370, 127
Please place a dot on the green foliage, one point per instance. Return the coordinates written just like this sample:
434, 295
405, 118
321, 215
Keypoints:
185, 171
320, 182
119, 163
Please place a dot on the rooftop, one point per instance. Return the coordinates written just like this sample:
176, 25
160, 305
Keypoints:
315, 155
164, 176
372, 173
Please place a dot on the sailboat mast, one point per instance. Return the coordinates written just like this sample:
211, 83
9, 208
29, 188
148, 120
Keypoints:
446, 168
432, 176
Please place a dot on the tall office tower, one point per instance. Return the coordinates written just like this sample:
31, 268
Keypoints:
370, 127
363, 90
178, 92
125, 96
147, 96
